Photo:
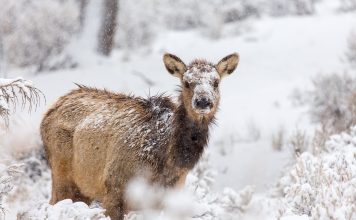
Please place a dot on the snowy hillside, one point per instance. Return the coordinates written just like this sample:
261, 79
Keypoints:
252, 168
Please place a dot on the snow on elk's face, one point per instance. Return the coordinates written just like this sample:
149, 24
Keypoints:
200, 82
201, 87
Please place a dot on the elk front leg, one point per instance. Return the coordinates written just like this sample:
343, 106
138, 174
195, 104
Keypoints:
115, 206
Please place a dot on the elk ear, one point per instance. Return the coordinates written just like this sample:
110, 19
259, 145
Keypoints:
228, 64
174, 65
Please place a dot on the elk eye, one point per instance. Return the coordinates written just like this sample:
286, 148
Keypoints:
216, 83
186, 84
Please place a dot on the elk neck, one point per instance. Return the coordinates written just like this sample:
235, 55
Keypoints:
189, 138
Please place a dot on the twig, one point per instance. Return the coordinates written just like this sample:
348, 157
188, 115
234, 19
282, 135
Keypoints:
147, 80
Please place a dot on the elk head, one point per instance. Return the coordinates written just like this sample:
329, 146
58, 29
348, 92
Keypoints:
200, 82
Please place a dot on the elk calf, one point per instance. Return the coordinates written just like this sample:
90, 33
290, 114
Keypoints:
96, 141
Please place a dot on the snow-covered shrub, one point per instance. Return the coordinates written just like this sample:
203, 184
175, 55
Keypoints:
158, 202
278, 139
137, 23
321, 135
331, 101
324, 186
298, 142
33, 31
233, 11
351, 50
347, 5
64, 209
292, 7
13, 91
7, 176
211, 19
182, 15
198, 200
36, 178
209, 16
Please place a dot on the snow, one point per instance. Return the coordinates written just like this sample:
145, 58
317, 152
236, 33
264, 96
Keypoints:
202, 77
197, 200
151, 133
277, 55
18, 81
64, 209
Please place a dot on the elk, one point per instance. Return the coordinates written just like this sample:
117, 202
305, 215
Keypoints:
96, 141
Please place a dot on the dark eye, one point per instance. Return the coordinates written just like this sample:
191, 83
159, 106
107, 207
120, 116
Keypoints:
186, 84
216, 83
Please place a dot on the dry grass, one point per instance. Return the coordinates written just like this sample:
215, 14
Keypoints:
351, 50
352, 107
299, 142
278, 139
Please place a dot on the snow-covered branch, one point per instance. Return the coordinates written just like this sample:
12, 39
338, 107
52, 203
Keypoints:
17, 91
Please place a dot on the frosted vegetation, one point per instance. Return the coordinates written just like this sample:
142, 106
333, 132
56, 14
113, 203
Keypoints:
61, 22
21, 22
323, 186
319, 183
7, 176
333, 109
351, 52
64, 209
320, 186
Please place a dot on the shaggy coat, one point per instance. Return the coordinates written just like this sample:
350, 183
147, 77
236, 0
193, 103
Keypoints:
96, 141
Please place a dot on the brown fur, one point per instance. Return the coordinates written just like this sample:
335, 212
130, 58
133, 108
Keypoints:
96, 141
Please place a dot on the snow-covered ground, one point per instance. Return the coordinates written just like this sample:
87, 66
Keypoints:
277, 55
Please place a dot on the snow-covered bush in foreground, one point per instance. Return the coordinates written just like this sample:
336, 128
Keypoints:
7, 175
33, 31
324, 186
196, 201
64, 209
35, 182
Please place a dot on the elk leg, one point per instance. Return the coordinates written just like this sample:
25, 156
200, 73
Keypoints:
63, 188
115, 206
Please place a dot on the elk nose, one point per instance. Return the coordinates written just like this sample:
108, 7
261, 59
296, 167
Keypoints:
203, 103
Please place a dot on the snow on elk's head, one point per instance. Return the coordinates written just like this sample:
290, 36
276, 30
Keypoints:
200, 82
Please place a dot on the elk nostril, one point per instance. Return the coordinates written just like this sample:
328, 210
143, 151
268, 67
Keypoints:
210, 104
198, 103
203, 103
